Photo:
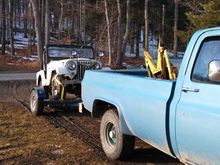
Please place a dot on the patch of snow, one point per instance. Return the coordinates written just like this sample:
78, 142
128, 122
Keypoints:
30, 58
58, 152
11, 63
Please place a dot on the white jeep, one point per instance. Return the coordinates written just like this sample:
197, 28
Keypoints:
64, 67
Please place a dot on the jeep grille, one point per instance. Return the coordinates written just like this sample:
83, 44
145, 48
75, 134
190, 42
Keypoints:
82, 66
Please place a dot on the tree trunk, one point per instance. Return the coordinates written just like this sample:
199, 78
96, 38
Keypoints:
138, 31
80, 21
3, 27
146, 22
60, 20
47, 22
162, 26
30, 28
37, 28
119, 52
25, 18
127, 31
19, 12
84, 21
132, 39
42, 15
15, 14
10, 21
74, 24
108, 33
175, 28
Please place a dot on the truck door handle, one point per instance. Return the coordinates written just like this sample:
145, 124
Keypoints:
187, 89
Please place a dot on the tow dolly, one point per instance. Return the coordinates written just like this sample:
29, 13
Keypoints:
39, 99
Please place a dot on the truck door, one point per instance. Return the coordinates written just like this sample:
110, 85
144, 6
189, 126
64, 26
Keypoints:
198, 110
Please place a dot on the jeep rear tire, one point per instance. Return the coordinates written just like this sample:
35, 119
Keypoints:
115, 144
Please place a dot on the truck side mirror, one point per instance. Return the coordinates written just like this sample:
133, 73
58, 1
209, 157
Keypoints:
214, 71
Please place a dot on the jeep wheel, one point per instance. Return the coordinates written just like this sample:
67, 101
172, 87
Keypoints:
115, 144
36, 106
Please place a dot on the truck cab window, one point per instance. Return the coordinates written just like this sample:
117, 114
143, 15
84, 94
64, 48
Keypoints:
209, 51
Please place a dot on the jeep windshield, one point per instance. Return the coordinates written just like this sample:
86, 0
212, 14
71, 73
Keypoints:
67, 52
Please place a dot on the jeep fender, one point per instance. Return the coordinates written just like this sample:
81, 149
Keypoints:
40, 76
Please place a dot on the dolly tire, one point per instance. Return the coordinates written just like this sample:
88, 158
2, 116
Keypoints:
36, 105
115, 144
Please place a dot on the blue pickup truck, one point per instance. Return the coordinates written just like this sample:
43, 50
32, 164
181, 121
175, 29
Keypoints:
179, 117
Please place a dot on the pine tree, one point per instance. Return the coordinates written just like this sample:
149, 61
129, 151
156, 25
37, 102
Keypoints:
207, 16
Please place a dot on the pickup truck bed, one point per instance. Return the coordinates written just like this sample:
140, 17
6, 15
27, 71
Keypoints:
122, 88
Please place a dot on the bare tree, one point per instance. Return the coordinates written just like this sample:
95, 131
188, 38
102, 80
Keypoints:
25, 6
121, 52
10, 23
60, 19
138, 31
82, 20
127, 30
146, 22
36, 13
119, 58
162, 26
132, 39
47, 22
175, 28
108, 32
3, 26
30, 20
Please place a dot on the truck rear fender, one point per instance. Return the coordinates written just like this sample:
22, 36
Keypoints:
100, 107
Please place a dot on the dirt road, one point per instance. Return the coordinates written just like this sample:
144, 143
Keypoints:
25, 139
4, 76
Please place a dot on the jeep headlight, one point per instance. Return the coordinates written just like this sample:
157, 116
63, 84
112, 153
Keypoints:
98, 65
71, 65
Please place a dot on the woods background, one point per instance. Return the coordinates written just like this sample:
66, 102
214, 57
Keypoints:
107, 25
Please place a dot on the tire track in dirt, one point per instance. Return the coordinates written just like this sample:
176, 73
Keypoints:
60, 120
15, 89
78, 132
19, 91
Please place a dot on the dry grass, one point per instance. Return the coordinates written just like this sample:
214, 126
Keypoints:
25, 139
20, 62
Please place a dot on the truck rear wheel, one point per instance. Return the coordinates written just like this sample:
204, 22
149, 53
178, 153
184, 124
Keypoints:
115, 144
36, 106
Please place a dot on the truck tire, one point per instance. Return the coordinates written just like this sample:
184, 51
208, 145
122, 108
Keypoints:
36, 106
115, 144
